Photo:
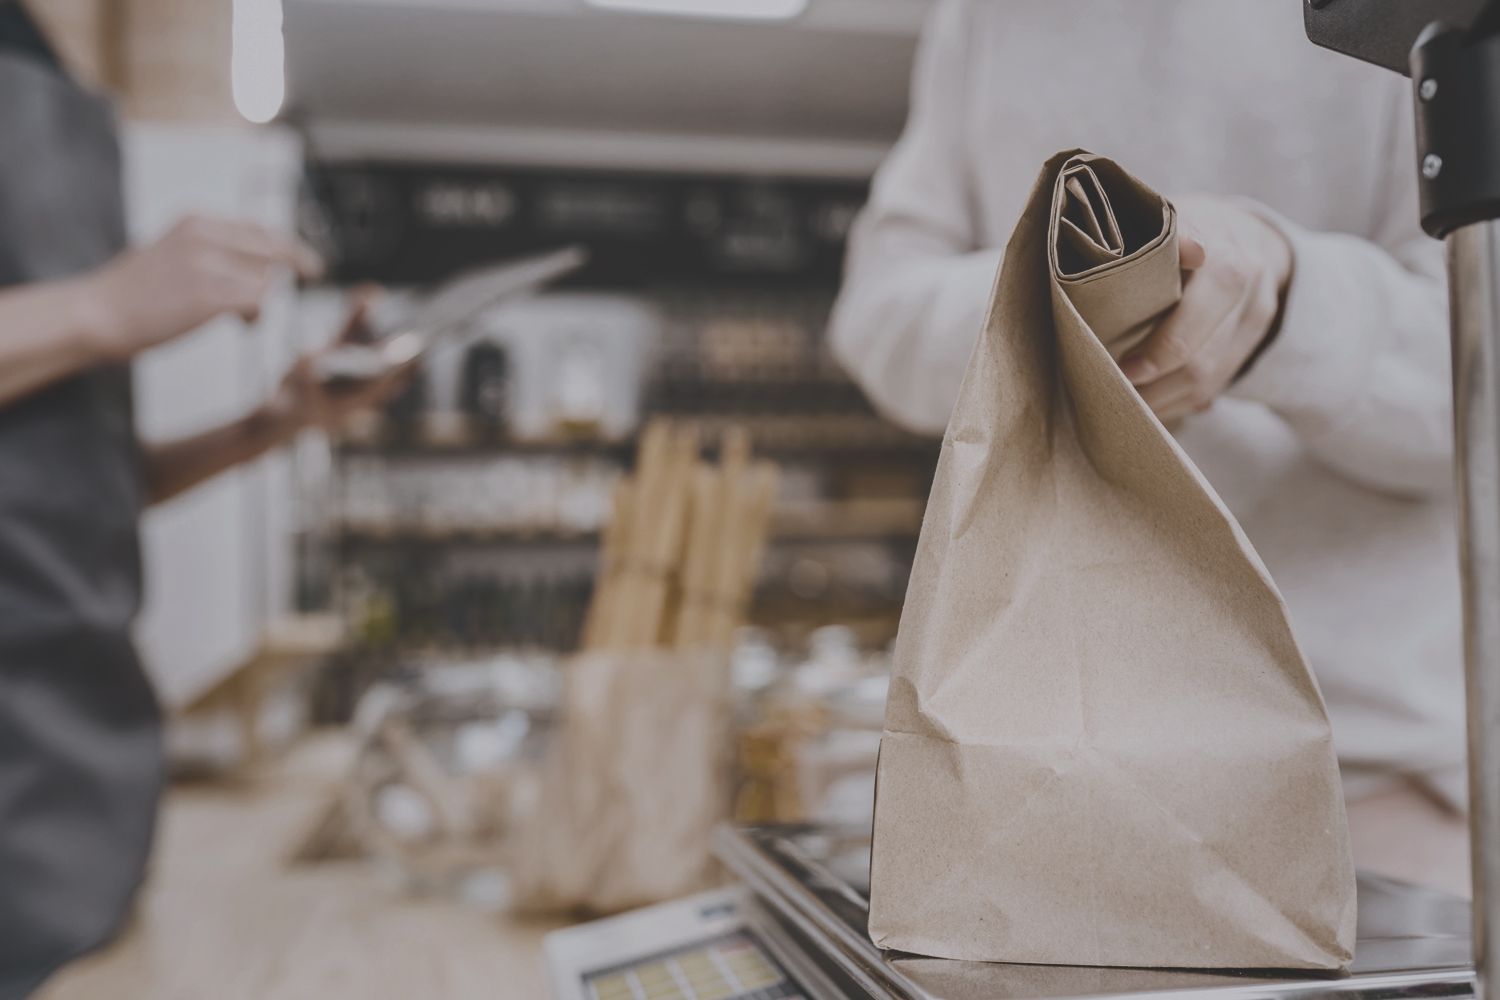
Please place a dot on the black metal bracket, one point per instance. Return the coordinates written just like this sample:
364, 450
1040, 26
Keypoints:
1382, 31
1456, 79
1451, 50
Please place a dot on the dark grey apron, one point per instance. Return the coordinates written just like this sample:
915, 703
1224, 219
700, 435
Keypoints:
80, 745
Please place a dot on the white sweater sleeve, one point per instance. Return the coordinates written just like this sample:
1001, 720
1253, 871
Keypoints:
916, 289
1360, 368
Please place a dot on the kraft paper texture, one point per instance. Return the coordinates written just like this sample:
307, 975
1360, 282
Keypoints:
1103, 746
634, 785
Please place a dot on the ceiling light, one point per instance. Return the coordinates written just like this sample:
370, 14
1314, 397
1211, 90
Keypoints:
258, 60
738, 10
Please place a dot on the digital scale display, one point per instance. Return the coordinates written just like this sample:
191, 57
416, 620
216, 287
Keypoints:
700, 948
732, 967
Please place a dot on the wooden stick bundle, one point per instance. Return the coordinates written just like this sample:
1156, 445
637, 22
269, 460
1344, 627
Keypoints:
683, 546
611, 559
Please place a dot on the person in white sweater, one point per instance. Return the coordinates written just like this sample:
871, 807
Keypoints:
1306, 370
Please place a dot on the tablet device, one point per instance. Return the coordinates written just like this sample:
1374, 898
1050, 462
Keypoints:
448, 310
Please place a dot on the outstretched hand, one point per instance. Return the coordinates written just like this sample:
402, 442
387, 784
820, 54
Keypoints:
201, 269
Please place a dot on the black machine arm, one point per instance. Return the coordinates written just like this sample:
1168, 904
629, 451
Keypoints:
1451, 49
1383, 32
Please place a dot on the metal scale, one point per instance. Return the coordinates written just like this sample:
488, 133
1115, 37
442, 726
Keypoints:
802, 909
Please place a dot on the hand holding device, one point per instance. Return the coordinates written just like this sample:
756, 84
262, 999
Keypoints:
201, 269
448, 310
306, 398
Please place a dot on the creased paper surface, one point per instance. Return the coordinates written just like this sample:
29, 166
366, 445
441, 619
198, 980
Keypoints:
1103, 745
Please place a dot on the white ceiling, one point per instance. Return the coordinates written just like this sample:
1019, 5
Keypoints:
839, 73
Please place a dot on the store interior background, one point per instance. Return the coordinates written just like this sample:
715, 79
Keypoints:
710, 160
432, 566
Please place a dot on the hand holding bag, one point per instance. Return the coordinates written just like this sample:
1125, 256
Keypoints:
1103, 745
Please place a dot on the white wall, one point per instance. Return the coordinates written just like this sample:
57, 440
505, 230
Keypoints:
218, 559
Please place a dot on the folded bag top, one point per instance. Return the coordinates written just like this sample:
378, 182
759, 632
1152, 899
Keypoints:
1103, 745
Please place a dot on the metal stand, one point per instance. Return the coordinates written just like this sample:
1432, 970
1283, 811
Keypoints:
1474, 270
1456, 78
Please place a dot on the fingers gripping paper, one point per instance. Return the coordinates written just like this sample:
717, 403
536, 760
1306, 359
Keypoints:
1102, 746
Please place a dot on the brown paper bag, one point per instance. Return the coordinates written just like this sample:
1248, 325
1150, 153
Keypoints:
634, 786
1102, 746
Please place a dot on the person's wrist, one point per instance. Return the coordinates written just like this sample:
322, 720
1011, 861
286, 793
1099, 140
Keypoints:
1281, 266
1284, 259
99, 334
277, 420
1286, 269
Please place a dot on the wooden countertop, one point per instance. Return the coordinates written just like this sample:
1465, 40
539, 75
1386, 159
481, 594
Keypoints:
223, 916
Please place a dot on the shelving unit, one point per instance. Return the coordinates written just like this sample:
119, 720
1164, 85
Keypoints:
455, 535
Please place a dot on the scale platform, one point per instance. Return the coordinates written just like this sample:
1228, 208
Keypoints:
807, 900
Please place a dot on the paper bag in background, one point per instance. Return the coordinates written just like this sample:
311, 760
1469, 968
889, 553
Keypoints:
639, 775
635, 787
1102, 745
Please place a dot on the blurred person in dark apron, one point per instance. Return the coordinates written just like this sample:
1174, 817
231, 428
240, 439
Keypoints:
80, 730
